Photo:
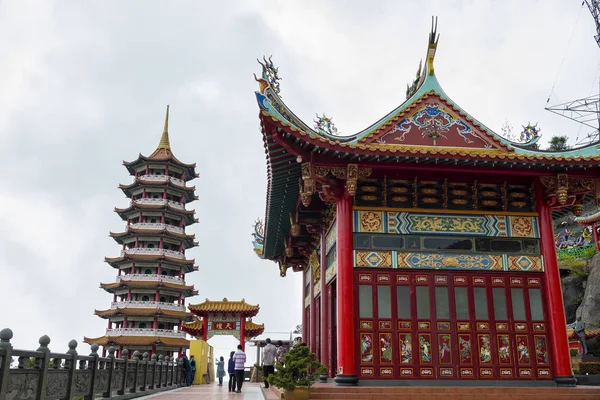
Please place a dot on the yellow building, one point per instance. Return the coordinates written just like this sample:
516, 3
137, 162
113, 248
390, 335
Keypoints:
203, 354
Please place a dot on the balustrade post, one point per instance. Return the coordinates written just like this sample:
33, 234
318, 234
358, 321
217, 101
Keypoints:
6, 353
160, 371
145, 365
136, 358
181, 373
167, 371
125, 357
42, 365
71, 365
93, 365
111, 371
153, 363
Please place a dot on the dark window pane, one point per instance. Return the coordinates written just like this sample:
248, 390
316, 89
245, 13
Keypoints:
362, 241
483, 244
481, 311
423, 302
388, 242
331, 256
442, 310
447, 244
462, 303
518, 304
413, 243
535, 304
403, 300
499, 303
531, 246
506, 246
365, 301
384, 302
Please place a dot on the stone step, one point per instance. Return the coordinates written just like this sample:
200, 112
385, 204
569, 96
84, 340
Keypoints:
452, 393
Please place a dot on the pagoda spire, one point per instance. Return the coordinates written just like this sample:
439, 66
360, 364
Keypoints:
164, 139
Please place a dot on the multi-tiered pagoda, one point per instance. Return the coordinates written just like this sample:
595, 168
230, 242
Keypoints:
149, 293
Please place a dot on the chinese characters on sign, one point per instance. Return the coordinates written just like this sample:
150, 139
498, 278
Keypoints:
223, 326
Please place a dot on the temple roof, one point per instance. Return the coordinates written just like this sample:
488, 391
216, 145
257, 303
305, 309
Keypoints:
147, 257
143, 312
188, 240
187, 215
163, 154
196, 328
186, 191
138, 341
224, 307
112, 287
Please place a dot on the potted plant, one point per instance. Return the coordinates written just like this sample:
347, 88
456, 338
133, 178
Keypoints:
297, 373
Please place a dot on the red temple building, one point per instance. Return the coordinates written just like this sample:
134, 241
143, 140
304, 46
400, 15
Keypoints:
149, 293
425, 241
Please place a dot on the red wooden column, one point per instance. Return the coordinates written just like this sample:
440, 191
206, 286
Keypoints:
205, 328
559, 343
243, 332
346, 342
304, 319
313, 315
324, 325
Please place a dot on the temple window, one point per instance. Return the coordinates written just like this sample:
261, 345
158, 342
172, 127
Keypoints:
481, 310
142, 325
155, 196
403, 301
447, 244
145, 298
148, 271
163, 299
462, 302
499, 303
365, 298
442, 309
152, 220
518, 304
422, 302
535, 304
384, 302
150, 246
161, 326
163, 273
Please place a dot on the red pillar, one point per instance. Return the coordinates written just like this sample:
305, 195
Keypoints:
346, 342
243, 333
313, 315
304, 315
559, 343
205, 328
324, 325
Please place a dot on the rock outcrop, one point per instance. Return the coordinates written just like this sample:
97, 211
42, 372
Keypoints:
573, 292
590, 306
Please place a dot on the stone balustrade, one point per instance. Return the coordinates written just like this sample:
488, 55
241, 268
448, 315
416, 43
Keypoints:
153, 251
162, 178
151, 278
42, 374
152, 201
146, 304
144, 332
156, 226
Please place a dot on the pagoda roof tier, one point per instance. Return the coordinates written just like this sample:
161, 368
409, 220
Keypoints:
162, 155
224, 307
426, 132
187, 268
138, 341
166, 231
188, 191
153, 254
143, 312
160, 205
187, 290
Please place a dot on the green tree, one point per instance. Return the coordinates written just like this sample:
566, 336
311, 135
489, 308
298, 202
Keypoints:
558, 143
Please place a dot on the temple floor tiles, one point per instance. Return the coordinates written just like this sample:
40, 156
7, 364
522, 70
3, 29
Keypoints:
250, 391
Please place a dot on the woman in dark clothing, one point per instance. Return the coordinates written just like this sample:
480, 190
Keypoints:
231, 372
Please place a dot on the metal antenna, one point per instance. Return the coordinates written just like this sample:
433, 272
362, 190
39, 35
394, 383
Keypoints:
586, 111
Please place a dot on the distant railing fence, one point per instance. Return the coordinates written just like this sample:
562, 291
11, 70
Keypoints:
42, 374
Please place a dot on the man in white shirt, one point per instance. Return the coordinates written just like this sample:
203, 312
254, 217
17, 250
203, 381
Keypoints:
268, 361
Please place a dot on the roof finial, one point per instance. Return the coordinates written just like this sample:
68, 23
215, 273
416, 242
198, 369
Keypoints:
164, 139
431, 48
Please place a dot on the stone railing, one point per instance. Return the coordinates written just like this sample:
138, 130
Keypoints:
144, 332
150, 278
150, 200
153, 251
156, 226
162, 178
41, 374
146, 304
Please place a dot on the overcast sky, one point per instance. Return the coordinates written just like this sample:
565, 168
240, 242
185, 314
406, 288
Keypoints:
84, 85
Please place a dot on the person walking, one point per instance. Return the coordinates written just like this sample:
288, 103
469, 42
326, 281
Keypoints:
269, 354
239, 357
187, 369
231, 372
193, 367
221, 370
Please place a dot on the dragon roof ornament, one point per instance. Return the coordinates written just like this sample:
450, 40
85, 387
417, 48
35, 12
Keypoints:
270, 75
326, 125
259, 236
530, 134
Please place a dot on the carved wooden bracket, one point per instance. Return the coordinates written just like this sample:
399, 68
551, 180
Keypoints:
307, 188
295, 228
564, 187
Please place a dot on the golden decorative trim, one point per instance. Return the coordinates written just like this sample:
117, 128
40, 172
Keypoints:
399, 198
368, 189
442, 211
308, 184
352, 179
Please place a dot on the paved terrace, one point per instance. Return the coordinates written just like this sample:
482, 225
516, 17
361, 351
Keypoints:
250, 391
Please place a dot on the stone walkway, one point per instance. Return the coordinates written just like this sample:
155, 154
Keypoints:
250, 391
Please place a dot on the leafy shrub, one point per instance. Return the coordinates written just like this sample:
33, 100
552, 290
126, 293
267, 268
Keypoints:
577, 266
592, 368
573, 352
299, 368
589, 252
